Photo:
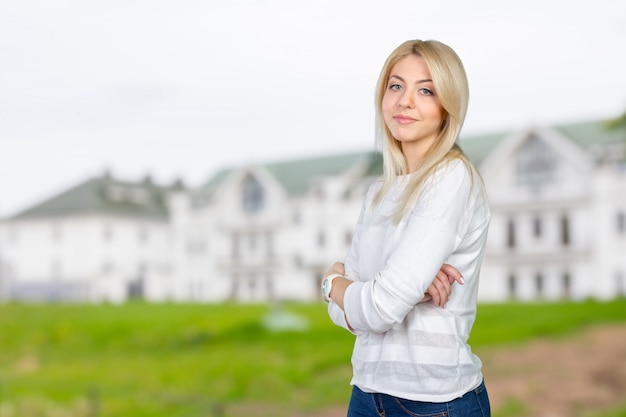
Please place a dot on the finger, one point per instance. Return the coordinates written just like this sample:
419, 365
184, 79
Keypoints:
443, 289
443, 283
434, 294
442, 293
339, 267
452, 273
427, 297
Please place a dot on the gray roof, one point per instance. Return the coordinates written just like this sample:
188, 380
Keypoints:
105, 195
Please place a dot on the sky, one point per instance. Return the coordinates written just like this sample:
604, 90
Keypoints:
181, 89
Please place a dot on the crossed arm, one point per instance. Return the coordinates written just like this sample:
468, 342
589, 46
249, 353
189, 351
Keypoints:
438, 292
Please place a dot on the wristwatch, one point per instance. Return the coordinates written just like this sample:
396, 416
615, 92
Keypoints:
327, 285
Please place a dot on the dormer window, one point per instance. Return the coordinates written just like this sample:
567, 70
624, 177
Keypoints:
134, 195
536, 163
139, 196
253, 194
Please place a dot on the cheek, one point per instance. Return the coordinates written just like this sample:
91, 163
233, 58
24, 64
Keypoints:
435, 112
388, 109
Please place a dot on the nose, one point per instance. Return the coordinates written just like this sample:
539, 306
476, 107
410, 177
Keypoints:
406, 100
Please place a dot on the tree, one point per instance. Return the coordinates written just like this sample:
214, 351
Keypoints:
617, 123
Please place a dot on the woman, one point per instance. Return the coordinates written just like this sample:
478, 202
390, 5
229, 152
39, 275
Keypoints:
411, 357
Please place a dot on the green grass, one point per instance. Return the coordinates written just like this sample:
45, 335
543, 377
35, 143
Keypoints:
153, 360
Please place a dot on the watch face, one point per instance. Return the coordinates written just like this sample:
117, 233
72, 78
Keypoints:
326, 286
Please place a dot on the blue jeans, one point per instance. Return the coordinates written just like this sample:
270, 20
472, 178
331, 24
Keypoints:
475, 403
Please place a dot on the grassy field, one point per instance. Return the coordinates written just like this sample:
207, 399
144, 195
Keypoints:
153, 360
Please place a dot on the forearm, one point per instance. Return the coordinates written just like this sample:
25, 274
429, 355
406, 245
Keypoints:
340, 284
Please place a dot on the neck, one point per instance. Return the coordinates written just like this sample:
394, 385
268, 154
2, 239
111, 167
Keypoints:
414, 158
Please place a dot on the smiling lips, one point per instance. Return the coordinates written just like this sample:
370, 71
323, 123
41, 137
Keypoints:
403, 120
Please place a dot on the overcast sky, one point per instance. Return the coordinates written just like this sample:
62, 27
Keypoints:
183, 88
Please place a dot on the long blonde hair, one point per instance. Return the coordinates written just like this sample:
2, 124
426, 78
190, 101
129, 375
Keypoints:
451, 86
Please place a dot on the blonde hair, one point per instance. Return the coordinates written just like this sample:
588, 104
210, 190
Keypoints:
451, 86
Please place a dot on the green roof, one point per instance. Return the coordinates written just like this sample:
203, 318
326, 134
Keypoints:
593, 133
297, 176
478, 147
584, 134
105, 195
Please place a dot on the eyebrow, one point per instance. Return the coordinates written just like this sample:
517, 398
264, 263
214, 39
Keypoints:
427, 80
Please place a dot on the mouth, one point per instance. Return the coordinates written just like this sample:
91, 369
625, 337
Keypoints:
403, 120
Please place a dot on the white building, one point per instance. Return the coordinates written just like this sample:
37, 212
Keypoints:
558, 199
97, 241
269, 231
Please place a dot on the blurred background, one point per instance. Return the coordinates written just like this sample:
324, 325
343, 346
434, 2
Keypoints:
203, 163
183, 89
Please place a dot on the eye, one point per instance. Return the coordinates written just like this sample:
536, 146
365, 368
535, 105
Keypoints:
395, 87
426, 92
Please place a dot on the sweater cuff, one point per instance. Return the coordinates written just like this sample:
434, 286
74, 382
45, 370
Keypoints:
352, 305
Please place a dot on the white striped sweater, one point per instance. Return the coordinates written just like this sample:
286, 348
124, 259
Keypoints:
402, 348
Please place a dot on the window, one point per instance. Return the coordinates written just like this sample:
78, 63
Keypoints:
253, 194
539, 284
269, 240
510, 234
537, 227
321, 239
235, 246
348, 238
620, 283
566, 282
536, 163
120, 194
512, 284
139, 196
269, 287
234, 289
565, 236
56, 270
252, 241
297, 216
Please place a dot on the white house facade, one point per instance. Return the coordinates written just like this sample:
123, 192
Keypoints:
268, 232
97, 241
558, 227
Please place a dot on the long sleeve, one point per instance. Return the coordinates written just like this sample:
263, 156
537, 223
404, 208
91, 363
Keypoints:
414, 251
351, 263
339, 318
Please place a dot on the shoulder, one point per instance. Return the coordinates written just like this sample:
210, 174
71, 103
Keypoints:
455, 180
373, 189
453, 171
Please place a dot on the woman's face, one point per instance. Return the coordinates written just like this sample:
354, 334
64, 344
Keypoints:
411, 108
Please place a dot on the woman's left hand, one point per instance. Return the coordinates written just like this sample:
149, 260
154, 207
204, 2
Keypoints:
441, 288
337, 268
